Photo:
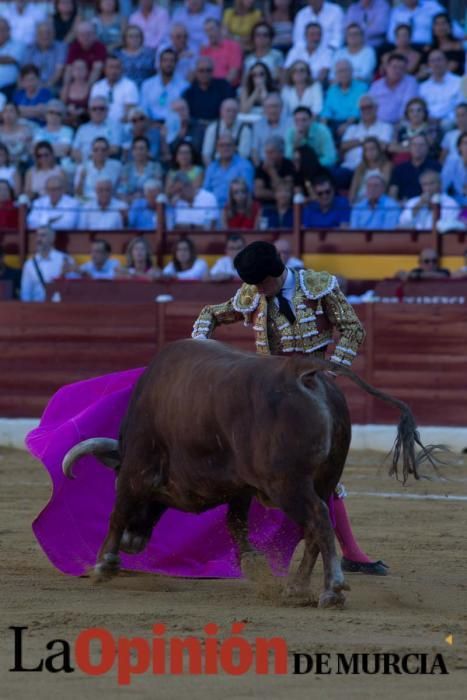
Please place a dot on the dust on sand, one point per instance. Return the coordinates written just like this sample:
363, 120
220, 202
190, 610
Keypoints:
423, 600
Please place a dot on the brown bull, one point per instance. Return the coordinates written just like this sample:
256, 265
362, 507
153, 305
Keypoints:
208, 425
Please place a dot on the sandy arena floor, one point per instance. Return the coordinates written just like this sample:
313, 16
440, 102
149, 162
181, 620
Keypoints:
413, 610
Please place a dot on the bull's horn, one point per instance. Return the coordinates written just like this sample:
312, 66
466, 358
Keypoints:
105, 449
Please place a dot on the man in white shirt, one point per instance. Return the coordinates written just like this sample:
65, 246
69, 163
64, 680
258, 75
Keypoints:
441, 92
193, 208
11, 57
104, 212
274, 123
99, 126
313, 51
120, 92
418, 212
329, 15
46, 265
101, 266
229, 122
355, 134
56, 208
418, 14
224, 269
23, 17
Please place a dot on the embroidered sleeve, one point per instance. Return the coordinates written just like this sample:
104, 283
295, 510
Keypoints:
214, 315
345, 320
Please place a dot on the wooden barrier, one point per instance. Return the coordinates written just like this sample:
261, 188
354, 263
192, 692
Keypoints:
415, 352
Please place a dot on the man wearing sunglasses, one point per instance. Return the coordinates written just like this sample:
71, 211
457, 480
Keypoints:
99, 126
428, 267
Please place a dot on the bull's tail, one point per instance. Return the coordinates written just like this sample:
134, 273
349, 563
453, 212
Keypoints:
105, 450
407, 437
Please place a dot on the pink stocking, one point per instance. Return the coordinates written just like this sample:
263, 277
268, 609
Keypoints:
344, 534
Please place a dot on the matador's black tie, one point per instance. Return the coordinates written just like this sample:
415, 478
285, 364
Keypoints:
285, 308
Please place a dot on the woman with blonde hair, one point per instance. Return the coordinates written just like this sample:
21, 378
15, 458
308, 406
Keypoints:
374, 162
139, 261
300, 90
241, 211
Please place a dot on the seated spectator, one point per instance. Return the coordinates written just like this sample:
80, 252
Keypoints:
8, 209
193, 15
186, 53
284, 248
444, 40
108, 24
228, 166
185, 160
341, 102
262, 35
403, 46
418, 15
120, 92
152, 20
75, 93
354, 137
415, 122
450, 138
7, 273
307, 167
185, 263
226, 54
241, 211
361, 57
181, 127
373, 17
99, 126
143, 212
103, 212
45, 166
272, 124
394, 90
11, 57
454, 173
441, 91
65, 20
279, 215
228, 123
279, 15
101, 266
15, 134
23, 17
313, 51
404, 182
158, 92
374, 162
48, 55
308, 132
88, 49
257, 86
273, 170
428, 269
31, 99
54, 132
300, 90
138, 61
329, 16
239, 20
462, 272
99, 166
140, 261
140, 169
224, 269
329, 210
139, 126
206, 94
193, 207
55, 208
418, 211
8, 171
376, 211
46, 265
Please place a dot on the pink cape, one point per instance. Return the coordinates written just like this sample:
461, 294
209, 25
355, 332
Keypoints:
72, 526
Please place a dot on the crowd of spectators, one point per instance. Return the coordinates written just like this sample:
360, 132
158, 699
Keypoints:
225, 110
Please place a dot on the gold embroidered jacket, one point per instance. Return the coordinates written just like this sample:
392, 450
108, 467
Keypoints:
320, 307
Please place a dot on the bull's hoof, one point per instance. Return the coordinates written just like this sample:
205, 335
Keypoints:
298, 596
331, 599
255, 567
106, 569
132, 543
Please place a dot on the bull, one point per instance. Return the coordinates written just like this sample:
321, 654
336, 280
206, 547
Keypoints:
208, 424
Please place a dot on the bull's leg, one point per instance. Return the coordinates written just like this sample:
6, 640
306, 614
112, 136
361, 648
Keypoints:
108, 561
297, 589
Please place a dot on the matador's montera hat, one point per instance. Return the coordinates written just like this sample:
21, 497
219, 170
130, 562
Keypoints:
258, 261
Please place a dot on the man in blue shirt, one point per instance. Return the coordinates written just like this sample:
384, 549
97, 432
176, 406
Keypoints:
377, 211
330, 210
229, 165
341, 102
142, 213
